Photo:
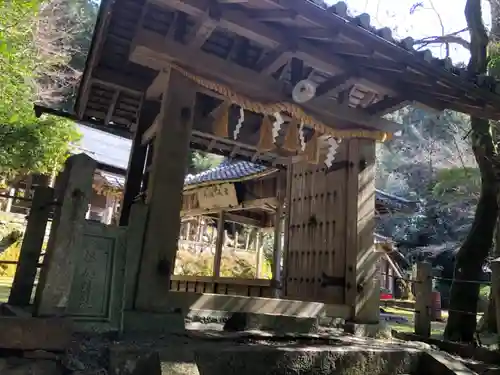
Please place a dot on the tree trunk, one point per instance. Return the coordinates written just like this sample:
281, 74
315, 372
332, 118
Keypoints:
470, 258
488, 322
464, 296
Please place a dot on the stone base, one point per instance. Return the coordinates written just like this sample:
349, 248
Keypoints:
240, 356
206, 353
35, 333
156, 323
21, 366
380, 330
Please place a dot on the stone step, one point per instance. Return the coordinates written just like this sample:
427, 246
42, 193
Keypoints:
263, 359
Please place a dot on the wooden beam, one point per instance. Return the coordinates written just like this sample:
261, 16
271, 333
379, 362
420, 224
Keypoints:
157, 87
94, 53
268, 204
204, 27
151, 50
319, 33
120, 81
150, 132
335, 83
297, 70
240, 219
137, 160
386, 105
275, 59
111, 108
271, 14
238, 22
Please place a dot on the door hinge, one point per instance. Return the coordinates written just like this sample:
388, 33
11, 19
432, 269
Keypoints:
327, 281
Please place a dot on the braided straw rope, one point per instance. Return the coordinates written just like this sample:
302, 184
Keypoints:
271, 108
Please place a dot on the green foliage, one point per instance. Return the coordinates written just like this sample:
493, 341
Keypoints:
457, 183
202, 161
11, 254
28, 144
494, 59
240, 265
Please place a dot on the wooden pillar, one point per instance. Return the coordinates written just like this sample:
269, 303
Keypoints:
286, 224
73, 194
24, 279
276, 278
164, 196
362, 287
219, 244
258, 253
108, 209
10, 200
137, 159
423, 299
135, 240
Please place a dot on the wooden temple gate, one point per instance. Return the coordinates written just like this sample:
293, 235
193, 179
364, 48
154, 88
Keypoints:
225, 77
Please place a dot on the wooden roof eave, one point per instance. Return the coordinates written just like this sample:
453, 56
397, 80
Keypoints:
316, 15
239, 23
151, 50
384, 55
94, 51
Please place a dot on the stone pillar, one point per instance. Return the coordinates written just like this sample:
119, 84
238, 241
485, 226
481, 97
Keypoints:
31, 248
164, 194
137, 159
73, 194
362, 288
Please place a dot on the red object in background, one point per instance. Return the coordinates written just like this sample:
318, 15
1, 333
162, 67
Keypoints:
385, 295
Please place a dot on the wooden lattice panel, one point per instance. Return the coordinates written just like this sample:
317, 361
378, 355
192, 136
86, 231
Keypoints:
317, 231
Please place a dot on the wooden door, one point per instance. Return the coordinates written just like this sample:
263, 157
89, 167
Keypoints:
316, 252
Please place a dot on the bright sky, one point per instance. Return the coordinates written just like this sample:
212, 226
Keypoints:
395, 14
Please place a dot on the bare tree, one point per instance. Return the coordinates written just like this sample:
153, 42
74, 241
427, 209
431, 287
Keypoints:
57, 27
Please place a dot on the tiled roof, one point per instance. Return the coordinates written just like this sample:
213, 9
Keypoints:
103, 147
363, 21
227, 171
395, 202
234, 170
112, 180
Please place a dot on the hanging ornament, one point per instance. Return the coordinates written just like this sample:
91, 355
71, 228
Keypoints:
304, 91
239, 124
332, 151
266, 135
302, 138
278, 122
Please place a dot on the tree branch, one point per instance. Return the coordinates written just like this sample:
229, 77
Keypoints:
451, 38
446, 39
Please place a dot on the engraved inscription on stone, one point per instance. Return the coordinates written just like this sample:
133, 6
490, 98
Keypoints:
92, 281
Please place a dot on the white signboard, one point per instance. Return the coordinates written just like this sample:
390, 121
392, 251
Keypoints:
217, 196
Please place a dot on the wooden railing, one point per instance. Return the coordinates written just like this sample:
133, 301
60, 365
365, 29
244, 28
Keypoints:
222, 285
